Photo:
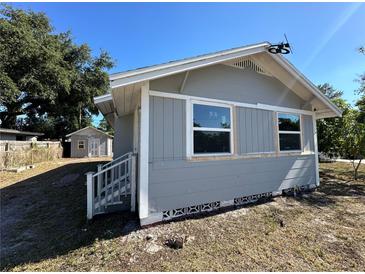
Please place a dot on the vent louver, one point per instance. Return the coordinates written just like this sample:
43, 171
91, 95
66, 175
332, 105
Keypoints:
244, 63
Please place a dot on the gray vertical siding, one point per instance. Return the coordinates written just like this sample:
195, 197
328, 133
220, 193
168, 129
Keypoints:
176, 182
255, 130
167, 129
308, 135
123, 135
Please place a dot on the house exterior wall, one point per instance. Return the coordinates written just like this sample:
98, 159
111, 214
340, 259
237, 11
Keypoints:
13, 137
7, 137
180, 183
255, 167
123, 135
232, 84
85, 135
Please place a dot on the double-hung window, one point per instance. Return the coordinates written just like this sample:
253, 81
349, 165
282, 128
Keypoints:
212, 129
289, 132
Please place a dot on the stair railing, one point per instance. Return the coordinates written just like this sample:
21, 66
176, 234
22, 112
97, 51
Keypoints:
111, 185
116, 160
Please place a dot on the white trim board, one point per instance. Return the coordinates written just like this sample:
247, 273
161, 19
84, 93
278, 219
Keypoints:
316, 149
103, 98
234, 103
144, 150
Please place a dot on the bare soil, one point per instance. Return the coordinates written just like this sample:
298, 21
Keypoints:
44, 228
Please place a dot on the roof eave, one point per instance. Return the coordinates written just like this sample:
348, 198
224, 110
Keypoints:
115, 76
103, 98
124, 79
77, 131
304, 80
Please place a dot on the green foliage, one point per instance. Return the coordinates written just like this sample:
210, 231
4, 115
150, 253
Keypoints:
329, 129
45, 76
104, 126
344, 136
361, 106
330, 91
352, 140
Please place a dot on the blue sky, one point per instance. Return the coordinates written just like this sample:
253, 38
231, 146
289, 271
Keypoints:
324, 35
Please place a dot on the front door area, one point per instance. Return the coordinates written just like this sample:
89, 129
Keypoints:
94, 145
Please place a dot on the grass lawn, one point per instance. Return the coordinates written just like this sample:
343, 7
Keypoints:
43, 227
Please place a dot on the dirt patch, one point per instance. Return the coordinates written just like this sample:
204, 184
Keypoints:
319, 231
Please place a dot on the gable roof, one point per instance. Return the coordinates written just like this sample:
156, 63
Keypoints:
173, 67
294, 79
89, 127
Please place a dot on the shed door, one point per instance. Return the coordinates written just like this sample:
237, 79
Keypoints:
94, 147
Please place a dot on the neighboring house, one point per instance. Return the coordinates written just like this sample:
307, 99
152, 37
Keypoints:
90, 142
216, 130
17, 135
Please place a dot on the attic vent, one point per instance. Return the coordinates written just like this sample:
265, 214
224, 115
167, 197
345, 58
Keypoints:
244, 63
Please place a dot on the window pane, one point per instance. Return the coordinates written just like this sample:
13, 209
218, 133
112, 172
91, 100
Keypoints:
289, 122
289, 141
211, 142
211, 116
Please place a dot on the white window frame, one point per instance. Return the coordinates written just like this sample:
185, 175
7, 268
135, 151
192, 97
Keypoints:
79, 142
191, 126
290, 132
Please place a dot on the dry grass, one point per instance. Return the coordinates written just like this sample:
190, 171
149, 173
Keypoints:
8, 178
319, 231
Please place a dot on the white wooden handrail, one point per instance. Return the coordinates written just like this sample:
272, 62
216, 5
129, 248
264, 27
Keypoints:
111, 167
126, 155
112, 185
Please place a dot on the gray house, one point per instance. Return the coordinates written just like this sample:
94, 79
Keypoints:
217, 130
90, 142
7, 134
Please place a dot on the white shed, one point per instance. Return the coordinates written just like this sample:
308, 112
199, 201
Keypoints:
90, 142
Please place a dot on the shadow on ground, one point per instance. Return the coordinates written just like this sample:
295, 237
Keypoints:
335, 187
45, 216
331, 188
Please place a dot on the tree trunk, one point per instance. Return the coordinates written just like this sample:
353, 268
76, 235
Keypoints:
80, 117
356, 168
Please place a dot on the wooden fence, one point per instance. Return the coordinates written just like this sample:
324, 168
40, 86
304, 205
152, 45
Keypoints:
23, 153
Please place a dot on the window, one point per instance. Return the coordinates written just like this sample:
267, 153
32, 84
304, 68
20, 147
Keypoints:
289, 132
212, 129
81, 144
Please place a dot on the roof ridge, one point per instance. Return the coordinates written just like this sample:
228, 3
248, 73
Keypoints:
185, 60
92, 127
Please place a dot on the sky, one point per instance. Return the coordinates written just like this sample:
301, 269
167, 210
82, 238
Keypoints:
324, 36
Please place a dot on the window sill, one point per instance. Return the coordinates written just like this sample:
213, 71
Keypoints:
197, 158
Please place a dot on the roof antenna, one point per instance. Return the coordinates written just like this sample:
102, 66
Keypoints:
282, 48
